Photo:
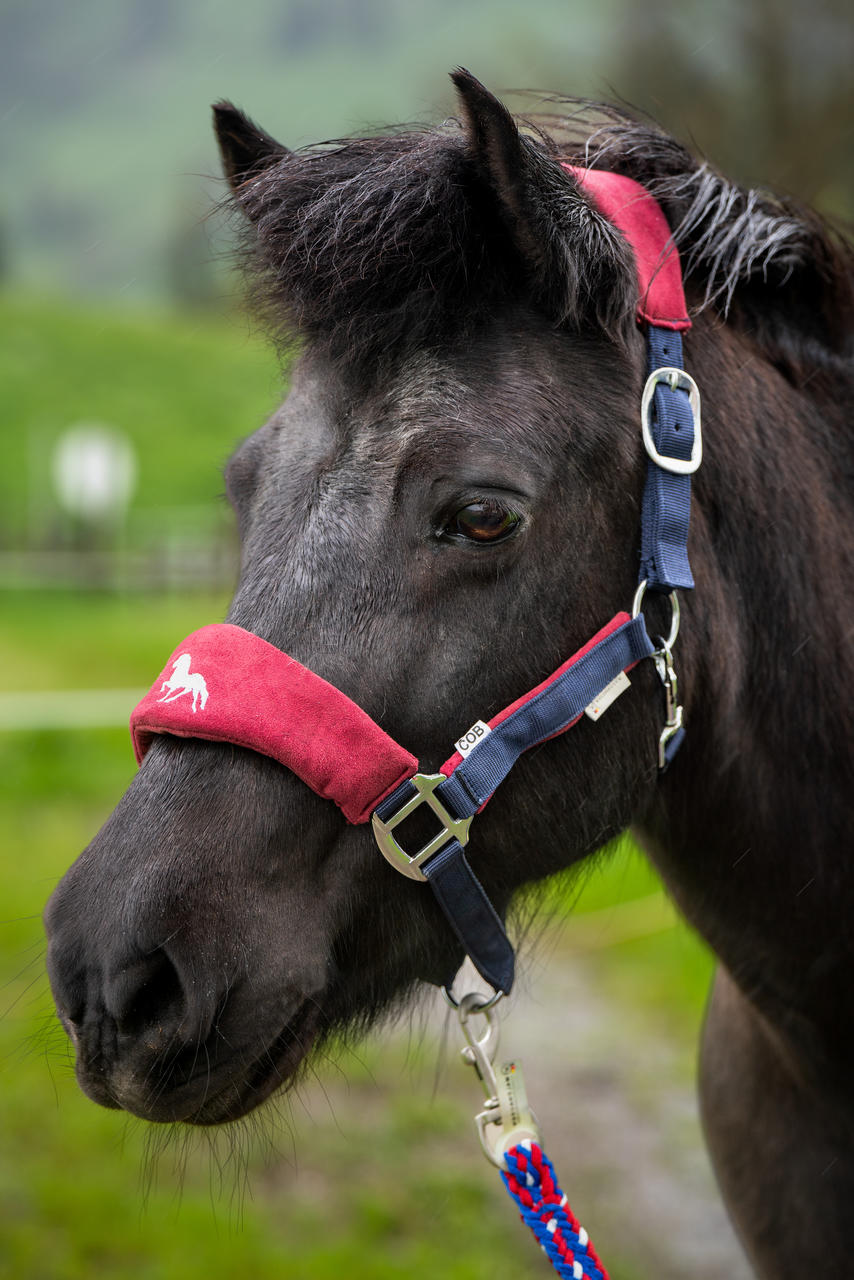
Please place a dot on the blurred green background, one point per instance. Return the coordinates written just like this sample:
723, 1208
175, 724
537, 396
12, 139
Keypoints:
120, 315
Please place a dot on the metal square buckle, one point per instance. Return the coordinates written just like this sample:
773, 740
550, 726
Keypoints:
452, 828
677, 379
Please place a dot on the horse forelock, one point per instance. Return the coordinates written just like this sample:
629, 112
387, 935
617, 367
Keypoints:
377, 245
372, 246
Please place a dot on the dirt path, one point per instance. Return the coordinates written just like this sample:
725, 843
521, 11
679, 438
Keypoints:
617, 1106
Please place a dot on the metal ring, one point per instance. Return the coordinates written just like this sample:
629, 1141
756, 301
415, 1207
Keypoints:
675, 615
485, 1003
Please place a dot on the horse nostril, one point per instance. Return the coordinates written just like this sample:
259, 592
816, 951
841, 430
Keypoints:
148, 993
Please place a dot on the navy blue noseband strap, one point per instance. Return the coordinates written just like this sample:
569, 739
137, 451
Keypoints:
466, 906
550, 712
471, 916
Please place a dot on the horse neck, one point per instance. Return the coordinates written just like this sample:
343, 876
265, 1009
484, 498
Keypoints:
749, 827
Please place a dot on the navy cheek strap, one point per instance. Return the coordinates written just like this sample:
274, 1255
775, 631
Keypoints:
670, 419
554, 709
674, 447
670, 428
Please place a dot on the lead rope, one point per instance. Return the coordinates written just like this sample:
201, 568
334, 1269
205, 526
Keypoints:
531, 1182
510, 1137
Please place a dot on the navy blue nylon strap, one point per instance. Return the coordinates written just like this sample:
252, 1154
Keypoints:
458, 891
664, 565
475, 778
462, 898
388, 808
666, 509
471, 916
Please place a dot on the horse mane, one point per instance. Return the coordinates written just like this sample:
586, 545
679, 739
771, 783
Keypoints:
762, 260
371, 245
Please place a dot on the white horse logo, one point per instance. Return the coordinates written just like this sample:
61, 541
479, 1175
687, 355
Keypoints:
182, 680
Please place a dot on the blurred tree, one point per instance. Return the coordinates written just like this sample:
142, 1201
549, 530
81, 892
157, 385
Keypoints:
763, 89
193, 276
104, 106
311, 24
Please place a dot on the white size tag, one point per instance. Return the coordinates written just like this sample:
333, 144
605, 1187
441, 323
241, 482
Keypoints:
609, 694
469, 740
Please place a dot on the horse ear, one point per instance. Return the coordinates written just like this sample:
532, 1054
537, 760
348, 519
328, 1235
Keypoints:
577, 259
245, 148
498, 151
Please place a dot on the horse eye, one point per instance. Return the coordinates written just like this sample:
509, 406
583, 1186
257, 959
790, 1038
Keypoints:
486, 521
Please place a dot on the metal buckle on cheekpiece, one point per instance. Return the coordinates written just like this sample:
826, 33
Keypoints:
676, 379
452, 828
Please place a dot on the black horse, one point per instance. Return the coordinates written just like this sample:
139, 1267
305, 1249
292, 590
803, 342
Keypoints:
444, 508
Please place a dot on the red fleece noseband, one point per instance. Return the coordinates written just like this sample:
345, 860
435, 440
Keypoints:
227, 685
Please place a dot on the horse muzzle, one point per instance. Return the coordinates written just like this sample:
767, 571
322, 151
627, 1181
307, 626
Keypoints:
188, 974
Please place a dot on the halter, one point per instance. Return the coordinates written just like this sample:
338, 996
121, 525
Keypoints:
225, 684
245, 691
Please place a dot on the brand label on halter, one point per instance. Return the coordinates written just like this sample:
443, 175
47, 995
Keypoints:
472, 737
609, 694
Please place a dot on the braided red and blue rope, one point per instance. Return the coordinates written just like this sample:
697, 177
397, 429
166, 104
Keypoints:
544, 1208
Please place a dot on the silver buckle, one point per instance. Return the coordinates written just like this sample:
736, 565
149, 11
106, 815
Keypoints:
452, 828
676, 378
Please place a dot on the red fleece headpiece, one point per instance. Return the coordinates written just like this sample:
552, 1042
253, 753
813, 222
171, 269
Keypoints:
640, 218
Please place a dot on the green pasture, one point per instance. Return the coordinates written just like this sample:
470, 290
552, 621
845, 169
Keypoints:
183, 389
385, 1178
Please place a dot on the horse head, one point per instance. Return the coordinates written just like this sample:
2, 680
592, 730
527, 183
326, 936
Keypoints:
445, 506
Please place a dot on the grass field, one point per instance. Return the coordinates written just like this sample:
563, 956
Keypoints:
380, 1183
71, 1186
183, 390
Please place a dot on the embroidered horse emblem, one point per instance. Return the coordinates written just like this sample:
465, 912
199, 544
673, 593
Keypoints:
183, 680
